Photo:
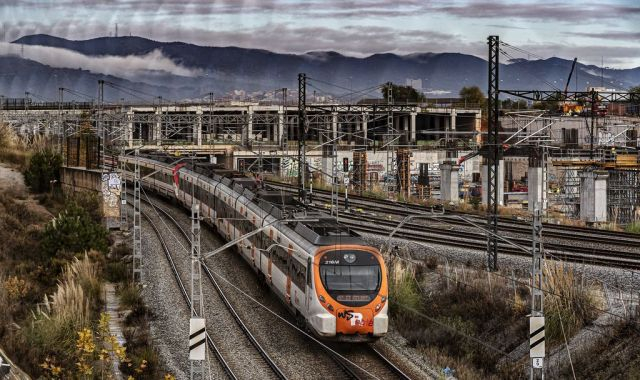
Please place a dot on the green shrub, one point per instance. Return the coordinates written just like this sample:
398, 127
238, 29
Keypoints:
43, 169
130, 296
74, 230
633, 228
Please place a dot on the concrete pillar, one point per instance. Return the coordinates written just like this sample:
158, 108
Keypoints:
156, 134
412, 127
449, 174
365, 122
535, 184
129, 130
197, 132
454, 114
250, 123
478, 128
334, 126
484, 175
280, 133
593, 196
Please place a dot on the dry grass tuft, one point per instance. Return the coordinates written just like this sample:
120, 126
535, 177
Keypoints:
567, 301
68, 310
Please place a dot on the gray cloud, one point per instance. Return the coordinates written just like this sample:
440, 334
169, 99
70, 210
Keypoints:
609, 35
128, 66
540, 11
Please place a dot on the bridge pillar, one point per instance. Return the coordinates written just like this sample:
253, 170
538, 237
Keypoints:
593, 196
129, 129
365, 122
250, 123
280, 125
156, 134
197, 130
535, 184
449, 179
412, 127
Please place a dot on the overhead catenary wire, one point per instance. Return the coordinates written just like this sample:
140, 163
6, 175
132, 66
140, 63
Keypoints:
224, 279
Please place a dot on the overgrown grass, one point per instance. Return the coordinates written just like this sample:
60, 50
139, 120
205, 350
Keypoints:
463, 325
12, 148
567, 302
614, 355
633, 228
57, 320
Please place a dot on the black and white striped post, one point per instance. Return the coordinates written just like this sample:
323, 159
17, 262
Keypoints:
197, 323
536, 320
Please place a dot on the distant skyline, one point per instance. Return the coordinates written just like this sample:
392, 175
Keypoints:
588, 31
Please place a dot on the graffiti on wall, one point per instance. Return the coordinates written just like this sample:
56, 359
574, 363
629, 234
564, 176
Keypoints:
111, 195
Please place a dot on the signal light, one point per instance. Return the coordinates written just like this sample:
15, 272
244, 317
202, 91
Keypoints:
345, 164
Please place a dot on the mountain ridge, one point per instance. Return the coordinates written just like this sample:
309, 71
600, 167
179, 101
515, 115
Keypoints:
225, 69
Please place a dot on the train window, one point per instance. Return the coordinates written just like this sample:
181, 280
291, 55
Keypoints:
309, 271
296, 272
279, 257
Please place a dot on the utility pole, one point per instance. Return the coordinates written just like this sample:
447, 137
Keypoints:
594, 109
137, 230
495, 153
285, 128
123, 197
302, 131
197, 325
61, 133
536, 321
100, 128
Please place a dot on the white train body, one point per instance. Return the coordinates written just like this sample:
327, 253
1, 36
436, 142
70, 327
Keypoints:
324, 273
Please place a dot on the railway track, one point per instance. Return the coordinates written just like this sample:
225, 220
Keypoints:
376, 365
505, 224
183, 290
466, 239
477, 240
274, 368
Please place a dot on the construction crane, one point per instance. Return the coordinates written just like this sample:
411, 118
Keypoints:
571, 108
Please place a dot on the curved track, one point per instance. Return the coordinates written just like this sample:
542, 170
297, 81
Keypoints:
250, 337
376, 365
183, 290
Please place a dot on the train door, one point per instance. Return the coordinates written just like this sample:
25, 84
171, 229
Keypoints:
308, 287
289, 272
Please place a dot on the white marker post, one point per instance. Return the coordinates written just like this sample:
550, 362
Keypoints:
536, 321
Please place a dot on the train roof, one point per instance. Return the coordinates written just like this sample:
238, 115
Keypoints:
316, 227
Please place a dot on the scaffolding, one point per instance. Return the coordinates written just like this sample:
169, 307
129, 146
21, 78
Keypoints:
403, 159
569, 194
623, 195
359, 171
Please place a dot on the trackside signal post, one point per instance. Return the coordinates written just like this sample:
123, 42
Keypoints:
137, 229
302, 135
536, 320
197, 323
495, 153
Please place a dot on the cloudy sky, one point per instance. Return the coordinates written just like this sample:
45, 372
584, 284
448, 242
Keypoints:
587, 30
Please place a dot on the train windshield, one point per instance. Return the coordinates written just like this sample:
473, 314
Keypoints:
351, 277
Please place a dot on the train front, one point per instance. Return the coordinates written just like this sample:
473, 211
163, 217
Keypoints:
351, 292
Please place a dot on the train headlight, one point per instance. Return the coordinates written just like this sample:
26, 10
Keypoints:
321, 298
378, 307
349, 258
330, 307
383, 299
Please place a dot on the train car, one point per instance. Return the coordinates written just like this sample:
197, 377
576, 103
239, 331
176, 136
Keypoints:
327, 276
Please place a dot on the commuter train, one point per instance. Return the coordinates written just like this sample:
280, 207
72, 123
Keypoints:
327, 276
